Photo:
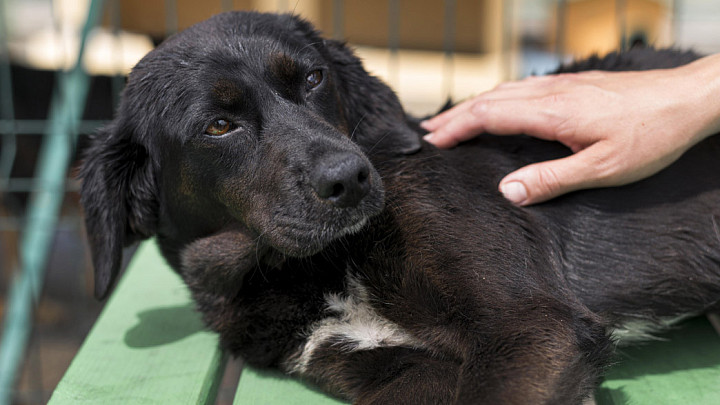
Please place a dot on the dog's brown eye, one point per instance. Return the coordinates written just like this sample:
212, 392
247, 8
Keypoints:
219, 127
314, 78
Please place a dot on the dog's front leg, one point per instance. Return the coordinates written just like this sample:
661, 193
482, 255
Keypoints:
214, 268
217, 263
257, 300
384, 375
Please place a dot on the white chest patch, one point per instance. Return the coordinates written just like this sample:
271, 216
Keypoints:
354, 324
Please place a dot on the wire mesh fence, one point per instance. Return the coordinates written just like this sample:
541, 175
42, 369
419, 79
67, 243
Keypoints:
55, 91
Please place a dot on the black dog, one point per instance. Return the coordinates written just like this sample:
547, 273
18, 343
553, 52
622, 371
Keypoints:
319, 235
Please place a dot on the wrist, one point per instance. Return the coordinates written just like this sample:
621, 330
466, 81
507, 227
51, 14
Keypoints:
704, 75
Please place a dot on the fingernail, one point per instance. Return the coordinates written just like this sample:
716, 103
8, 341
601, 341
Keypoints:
424, 123
514, 191
429, 137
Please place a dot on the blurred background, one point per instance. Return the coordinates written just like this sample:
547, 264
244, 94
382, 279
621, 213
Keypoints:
427, 50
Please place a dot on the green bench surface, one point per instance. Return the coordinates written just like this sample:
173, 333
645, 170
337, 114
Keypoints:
150, 347
684, 368
147, 347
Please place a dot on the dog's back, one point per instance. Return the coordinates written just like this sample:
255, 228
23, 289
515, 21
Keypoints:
644, 251
648, 250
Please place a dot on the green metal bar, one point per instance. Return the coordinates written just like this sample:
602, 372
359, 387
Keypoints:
64, 223
55, 153
32, 127
27, 185
7, 110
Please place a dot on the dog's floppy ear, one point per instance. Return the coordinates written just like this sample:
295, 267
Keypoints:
372, 110
119, 196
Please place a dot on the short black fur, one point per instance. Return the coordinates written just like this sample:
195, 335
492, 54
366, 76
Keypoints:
469, 298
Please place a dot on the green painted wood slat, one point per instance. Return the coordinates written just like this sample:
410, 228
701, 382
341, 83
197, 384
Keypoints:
683, 368
148, 346
260, 387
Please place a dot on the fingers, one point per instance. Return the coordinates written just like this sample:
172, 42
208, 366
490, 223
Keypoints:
459, 126
531, 87
540, 182
444, 117
499, 117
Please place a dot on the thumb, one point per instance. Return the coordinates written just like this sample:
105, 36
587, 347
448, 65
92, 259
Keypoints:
540, 182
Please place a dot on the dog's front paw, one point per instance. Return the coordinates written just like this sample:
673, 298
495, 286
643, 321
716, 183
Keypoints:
216, 264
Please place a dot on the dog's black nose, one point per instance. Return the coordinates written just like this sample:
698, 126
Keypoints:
342, 179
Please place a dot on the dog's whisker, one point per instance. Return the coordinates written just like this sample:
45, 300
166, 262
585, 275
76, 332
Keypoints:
309, 45
257, 249
357, 126
384, 135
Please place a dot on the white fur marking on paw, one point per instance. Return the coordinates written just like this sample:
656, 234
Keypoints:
638, 330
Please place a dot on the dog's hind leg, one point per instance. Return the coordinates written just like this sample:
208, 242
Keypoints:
558, 361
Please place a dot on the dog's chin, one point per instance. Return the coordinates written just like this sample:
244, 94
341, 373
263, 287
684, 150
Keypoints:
303, 244
313, 225
302, 239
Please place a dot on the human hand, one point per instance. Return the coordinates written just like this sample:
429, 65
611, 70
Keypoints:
620, 126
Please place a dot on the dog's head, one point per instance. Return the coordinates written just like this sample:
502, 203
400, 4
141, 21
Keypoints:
245, 122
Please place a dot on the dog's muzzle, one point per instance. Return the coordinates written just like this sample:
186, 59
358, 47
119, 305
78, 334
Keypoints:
342, 179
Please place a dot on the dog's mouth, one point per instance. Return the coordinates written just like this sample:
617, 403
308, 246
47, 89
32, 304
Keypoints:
302, 237
303, 242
